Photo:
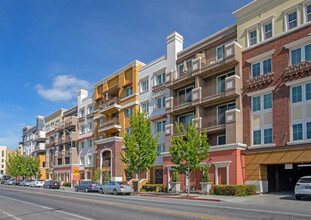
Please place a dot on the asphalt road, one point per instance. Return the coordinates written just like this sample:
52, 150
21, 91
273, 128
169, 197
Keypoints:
31, 203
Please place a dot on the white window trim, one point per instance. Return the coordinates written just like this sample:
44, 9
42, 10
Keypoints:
262, 26
303, 52
184, 115
226, 110
260, 57
143, 103
305, 4
223, 53
286, 13
219, 137
248, 31
157, 73
261, 66
156, 102
141, 84
225, 74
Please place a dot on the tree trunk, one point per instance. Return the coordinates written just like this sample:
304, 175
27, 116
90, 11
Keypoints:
138, 179
188, 179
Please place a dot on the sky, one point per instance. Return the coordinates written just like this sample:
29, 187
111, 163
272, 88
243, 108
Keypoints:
51, 49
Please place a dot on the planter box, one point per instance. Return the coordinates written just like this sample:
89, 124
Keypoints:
176, 187
206, 187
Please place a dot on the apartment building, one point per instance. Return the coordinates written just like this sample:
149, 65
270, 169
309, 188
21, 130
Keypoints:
66, 154
9, 153
206, 90
51, 123
3, 159
276, 42
115, 99
152, 95
85, 136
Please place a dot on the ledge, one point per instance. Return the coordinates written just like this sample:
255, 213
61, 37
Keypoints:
128, 97
108, 140
298, 142
261, 146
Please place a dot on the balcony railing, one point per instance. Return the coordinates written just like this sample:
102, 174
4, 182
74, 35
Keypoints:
40, 146
67, 153
113, 101
90, 115
114, 121
158, 88
298, 68
81, 119
260, 80
182, 100
40, 136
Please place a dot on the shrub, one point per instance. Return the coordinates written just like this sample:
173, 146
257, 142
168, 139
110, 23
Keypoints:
67, 184
205, 177
234, 190
153, 187
175, 176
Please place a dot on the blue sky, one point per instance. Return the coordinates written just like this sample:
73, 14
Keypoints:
51, 49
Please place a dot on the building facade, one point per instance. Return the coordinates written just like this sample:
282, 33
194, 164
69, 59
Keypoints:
206, 90
152, 95
3, 159
275, 36
115, 99
85, 135
51, 123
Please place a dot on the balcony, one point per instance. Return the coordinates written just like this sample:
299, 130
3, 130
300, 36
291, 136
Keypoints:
81, 119
110, 125
260, 80
158, 88
40, 136
40, 147
179, 103
299, 68
90, 115
110, 105
67, 153
59, 154
70, 122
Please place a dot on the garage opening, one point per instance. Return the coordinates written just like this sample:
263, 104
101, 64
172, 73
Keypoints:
283, 177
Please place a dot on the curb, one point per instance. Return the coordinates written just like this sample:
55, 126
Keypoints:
183, 197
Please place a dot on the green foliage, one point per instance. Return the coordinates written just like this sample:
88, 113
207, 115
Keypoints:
107, 177
25, 166
39, 175
234, 190
205, 177
67, 184
97, 174
62, 177
54, 176
153, 188
141, 145
188, 149
175, 176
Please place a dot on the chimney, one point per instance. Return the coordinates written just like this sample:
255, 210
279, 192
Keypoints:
81, 95
40, 122
174, 44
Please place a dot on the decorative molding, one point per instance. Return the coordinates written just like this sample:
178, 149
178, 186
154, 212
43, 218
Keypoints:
299, 81
128, 97
261, 56
261, 146
260, 92
130, 104
298, 142
108, 140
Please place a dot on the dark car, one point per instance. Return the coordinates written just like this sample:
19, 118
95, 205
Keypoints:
87, 186
51, 184
15, 182
4, 179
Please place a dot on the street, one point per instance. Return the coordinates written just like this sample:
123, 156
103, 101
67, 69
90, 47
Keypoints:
34, 203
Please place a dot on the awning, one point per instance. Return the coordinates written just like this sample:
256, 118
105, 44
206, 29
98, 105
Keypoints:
158, 117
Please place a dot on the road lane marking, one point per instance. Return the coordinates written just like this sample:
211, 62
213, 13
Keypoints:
45, 207
11, 216
123, 205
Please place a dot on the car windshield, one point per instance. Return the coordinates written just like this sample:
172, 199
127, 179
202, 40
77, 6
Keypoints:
305, 180
122, 183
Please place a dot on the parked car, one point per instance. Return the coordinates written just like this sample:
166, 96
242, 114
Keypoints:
37, 183
15, 182
87, 186
4, 179
51, 184
303, 187
10, 181
116, 187
25, 183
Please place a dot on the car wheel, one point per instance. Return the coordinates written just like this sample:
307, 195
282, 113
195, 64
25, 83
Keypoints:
115, 192
49, 187
298, 197
101, 191
128, 194
86, 190
76, 189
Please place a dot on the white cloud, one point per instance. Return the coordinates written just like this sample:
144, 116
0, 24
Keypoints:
64, 88
10, 140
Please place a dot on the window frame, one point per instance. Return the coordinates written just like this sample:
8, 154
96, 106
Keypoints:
261, 66
289, 11
146, 87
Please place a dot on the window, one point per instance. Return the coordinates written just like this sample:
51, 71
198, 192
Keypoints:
160, 78
256, 104
129, 131
297, 132
252, 37
82, 144
89, 109
161, 149
292, 20
221, 82
82, 112
145, 86
296, 56
267, 31
296, 94
180, 68
309, 130
308, 13
145, 107
184, 95
221, 140
300, 54
220, 52
308, 91
161, 102
91, 143
81, 160
82, 129
159, 126
267, 101
262, 67
89, 159
268, 136
129, 91
222, 112
90, 126
185, 119
257, 137
128, 112
163, 125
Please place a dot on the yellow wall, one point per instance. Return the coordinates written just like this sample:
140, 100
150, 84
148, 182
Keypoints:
256, 164
258, 15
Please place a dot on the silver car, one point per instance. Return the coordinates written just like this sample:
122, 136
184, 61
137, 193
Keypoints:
116, 187
25, 183
37, 183
303, 187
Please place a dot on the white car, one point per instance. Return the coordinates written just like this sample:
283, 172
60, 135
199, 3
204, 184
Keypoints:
303, 187
37, 183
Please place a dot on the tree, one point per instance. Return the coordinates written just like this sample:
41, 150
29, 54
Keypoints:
188, 150
97, 174
141, 145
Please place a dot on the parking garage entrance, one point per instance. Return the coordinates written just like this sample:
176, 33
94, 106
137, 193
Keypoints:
283, 177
